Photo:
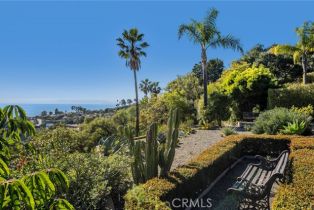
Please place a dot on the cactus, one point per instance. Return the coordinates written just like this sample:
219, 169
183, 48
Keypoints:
145, 164
149, 154
167, 149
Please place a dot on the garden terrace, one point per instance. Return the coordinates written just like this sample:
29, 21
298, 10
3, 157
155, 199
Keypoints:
189, 180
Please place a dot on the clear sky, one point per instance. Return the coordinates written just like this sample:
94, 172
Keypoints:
65, 52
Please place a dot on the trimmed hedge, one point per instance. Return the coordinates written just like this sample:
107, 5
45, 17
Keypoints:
190, 180
294, 95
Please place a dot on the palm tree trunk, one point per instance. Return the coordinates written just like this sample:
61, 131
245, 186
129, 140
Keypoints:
137, 126
304, 66
204, 63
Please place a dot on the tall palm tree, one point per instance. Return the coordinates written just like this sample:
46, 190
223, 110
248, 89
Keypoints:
302, 50
145, 86
131, 49
206, 34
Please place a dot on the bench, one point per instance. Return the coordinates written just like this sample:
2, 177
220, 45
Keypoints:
256, 181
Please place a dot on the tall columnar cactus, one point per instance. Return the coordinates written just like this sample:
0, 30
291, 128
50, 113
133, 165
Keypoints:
149, 154
145, 164
137, 165
167, 149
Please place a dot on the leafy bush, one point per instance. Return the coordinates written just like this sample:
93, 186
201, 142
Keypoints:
247, 85
95, 180
226, 131
96, 129
297, 95
274, 120
307, 110
187, 127
58, 141
124, 117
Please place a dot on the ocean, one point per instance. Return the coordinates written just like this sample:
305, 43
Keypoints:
36, 109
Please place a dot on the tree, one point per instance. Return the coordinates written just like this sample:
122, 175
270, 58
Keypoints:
247, 85
214, 70
145, 86
302, 50
44, 113
123, 102
154, 88
282, 66
129, 101
38, 190
185, 86
206, 34
131, 49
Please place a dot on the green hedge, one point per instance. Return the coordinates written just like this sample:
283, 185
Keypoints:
204, 169
294, 95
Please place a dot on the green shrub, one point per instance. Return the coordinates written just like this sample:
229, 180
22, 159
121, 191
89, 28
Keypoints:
98, 128
247, 85
95, 180
58, 141
299, 193
187, 127
217, 109
297, 95
307, 110
226, 131
274, 120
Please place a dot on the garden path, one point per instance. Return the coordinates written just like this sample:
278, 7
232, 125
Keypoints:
192, 145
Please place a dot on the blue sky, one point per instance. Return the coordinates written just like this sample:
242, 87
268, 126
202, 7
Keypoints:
65, 52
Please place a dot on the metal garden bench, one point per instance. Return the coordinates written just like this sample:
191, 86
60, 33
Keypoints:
253, 187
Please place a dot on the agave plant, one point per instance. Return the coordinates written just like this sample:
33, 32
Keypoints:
112, 144
295, 128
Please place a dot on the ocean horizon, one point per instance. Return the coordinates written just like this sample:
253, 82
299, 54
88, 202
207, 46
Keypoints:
36, 109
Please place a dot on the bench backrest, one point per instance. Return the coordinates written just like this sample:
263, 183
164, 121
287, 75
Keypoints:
279, 170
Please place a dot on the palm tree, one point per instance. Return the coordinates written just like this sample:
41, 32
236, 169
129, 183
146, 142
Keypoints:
131, 49
154, 88
302, 50
145, 86
205, 34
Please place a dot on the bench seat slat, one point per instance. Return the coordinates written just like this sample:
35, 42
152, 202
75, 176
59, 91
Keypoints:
257, 179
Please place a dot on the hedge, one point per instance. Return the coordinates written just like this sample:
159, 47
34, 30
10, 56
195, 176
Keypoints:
190, 180
297, 95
